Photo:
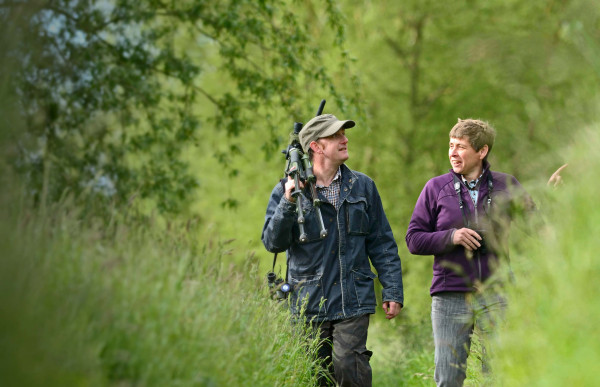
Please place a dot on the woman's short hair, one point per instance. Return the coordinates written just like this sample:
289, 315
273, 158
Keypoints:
480, 133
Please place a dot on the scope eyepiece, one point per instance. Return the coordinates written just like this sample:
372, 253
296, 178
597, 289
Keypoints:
297, 127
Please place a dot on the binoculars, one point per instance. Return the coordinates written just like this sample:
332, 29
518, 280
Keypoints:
483, 248
277, 287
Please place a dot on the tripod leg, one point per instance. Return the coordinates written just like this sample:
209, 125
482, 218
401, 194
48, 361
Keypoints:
323, 232
317, 205
297, 194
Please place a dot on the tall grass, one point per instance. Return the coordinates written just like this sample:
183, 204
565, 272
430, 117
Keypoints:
402, 352
91, 303
122, 302
551, 333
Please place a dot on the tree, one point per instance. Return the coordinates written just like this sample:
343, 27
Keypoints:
511, 63
112, 91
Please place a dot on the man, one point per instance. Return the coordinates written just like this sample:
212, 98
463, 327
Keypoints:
331, 277
462, 218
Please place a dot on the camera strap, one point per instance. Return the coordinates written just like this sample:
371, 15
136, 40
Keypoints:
461, 203
274, 261
286, 266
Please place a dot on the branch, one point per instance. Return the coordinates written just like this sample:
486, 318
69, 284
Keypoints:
221, 44
397, 49
434, 96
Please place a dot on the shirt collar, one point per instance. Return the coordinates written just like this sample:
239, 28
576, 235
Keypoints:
337, 176
473, 183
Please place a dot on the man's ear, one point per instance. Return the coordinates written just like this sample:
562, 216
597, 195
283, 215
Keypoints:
316, 148
483, 152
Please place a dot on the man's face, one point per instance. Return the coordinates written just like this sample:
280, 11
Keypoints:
335, 147
464, 159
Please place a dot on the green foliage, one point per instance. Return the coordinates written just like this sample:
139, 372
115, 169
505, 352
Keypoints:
402, 353
550, 336
85, 303
529, 68
111, 93
175, 104
517, 65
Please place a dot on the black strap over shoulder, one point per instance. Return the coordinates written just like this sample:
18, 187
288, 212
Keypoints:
457, 189
461, 204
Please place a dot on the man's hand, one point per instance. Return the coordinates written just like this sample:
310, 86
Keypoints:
556, 179
391, 309
467, 238
290, 185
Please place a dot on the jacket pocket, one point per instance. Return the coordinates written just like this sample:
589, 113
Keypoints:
364, 288
307, 295
357, 219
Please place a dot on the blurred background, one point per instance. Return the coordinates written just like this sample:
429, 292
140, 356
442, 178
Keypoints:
141, 140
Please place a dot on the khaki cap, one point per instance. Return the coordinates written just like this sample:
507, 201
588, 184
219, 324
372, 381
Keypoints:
321, 126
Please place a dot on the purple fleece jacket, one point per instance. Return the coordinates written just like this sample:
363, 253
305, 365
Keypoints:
437, 215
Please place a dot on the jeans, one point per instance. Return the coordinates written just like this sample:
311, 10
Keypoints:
344, 352
455, 316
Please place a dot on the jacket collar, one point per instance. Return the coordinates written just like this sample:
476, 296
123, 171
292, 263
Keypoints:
486, 170
348, 180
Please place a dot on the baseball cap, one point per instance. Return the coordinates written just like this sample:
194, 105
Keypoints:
321, 126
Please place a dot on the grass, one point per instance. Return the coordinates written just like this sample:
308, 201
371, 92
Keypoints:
136, 302
84, 303
130, 302
551, 335
402, 352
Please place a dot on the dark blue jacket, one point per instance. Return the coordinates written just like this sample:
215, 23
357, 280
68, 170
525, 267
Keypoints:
437, 214
334, 273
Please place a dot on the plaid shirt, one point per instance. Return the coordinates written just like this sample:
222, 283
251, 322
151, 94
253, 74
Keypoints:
332, 193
